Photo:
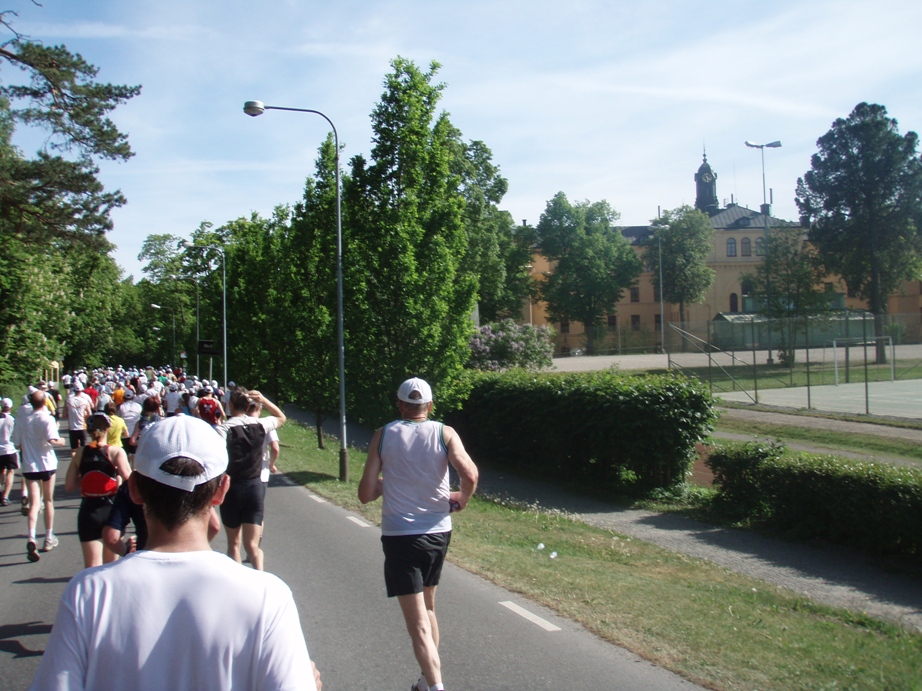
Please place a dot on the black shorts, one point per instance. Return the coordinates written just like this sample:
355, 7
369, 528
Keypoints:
413, 562
40, 476
125, 511
9, 461
77, 438
93, 514
244, 503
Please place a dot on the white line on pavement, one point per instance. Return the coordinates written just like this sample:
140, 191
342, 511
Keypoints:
359, 522
319, 500
533, 618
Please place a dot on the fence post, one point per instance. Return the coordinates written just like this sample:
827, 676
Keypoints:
755, 370
864, 339
807, 351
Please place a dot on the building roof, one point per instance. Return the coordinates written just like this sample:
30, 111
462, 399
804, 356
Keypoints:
736, 217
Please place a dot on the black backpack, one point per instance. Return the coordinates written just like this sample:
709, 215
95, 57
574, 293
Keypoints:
245, 444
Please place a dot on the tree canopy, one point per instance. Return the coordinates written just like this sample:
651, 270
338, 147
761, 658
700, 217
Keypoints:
592, 262
686, 236
862, 198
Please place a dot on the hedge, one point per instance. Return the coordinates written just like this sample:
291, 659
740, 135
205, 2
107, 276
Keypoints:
876, 507
637, 432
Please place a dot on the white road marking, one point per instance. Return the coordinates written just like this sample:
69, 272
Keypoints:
359, 522
319, 500
533, 618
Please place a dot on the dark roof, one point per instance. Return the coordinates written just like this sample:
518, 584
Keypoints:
736, 217
636, 234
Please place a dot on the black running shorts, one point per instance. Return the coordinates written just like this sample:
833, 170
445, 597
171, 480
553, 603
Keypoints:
413, 562
93, 514
40, 476
125, 511
244, 503
9, 461
77, 438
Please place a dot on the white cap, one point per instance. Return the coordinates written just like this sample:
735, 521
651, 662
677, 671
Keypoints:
411, 385
6, 403
181, 436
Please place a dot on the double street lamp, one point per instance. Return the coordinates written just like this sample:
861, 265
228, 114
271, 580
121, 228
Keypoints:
765, 214
254, 108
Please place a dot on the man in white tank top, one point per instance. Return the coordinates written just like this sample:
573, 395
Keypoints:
408, 465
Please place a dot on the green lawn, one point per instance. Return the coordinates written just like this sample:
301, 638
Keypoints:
711, 625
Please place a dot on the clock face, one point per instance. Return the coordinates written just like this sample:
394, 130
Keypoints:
707, 177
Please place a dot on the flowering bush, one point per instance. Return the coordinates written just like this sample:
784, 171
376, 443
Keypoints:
506, 345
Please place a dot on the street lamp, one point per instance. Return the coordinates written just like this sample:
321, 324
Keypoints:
220, 248
254, 108
765, 213
158, 307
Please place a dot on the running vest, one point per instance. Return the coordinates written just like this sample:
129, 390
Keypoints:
97, 473
209, 410
245, 444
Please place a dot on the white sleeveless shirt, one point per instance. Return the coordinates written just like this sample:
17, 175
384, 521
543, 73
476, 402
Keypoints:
414, 466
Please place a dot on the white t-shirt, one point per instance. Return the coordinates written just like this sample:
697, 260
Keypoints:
31, 435
182, 620
79, 408
7, 422
172, 401
130, 412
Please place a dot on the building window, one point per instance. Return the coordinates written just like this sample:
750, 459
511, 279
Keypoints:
747, 287
760, 247
612, 322
564, 327
656, 292
734, 303
745, 247
635, 322
829, 287
731, 247
635, 294
658, 322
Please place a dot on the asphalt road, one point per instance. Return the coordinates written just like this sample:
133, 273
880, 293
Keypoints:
491, 638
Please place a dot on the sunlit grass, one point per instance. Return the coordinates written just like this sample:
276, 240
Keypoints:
707, 623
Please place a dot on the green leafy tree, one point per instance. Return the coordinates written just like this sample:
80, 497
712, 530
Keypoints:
796, 278
592, 262
53, 209
409, 297
863, 200
686, 237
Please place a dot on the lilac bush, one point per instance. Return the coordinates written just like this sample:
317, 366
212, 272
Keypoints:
507, 345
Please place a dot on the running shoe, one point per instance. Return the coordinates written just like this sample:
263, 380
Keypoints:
421, 685
50, 543
32, 551
25, 506
4, 502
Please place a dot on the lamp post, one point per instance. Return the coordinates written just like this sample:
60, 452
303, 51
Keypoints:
254, 108
158, 307
765, 213
220, 248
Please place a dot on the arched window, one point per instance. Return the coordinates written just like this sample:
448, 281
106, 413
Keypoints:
731, 247
745, 247
760, 247
734, 303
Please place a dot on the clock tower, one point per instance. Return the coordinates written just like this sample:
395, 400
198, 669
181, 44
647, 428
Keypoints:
706, 189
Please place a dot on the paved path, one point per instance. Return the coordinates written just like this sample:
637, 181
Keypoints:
332, 561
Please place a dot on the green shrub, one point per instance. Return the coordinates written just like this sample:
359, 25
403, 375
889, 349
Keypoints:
634, 432
875, 507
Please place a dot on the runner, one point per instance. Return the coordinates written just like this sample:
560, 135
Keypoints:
9, 460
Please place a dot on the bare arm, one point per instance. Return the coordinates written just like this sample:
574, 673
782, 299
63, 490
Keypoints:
72, 479
463, 464
274, 451
371, 485
119, 459
273, 409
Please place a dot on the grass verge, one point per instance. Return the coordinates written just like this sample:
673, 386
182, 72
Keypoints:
711, 625
827, 415
832, 440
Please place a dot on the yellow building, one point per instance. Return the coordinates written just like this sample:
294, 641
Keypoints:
739, 236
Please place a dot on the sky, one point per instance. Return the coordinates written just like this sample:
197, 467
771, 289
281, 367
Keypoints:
599, 99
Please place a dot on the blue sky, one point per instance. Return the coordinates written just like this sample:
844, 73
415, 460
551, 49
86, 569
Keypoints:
599, 99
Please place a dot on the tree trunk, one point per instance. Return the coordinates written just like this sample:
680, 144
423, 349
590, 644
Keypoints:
318, 417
